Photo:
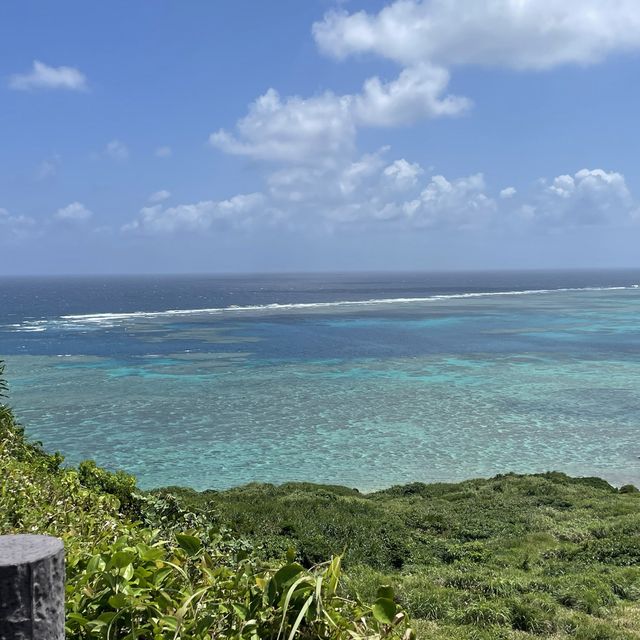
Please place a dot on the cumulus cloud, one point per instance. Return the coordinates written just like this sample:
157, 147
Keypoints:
460, 203
74, 212
14, 226
417, 93
402, 174
508, 192
355, 175
159, 196
322, 128
43, 76
520, 34
117, 150
312, 140
426, 38
292, 130
588, 197
164, 152
372, 191
241, 211
307, 189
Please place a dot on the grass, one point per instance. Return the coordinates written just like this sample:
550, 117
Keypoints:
515, 556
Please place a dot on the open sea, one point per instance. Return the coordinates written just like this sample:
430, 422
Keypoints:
365, 380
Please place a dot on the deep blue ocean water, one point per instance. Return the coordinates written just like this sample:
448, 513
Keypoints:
366, 380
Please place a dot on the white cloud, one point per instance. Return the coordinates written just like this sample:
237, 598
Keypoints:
241, 211
117, 150
589, 197
322, 128
318, 189
164, 152
74, 212
520, 34
159, 196
402, 174
43, 76
459, 203
508, 192
415, 94
292, 130
313, 139
12, 226
355, 175
371, 191
297, 184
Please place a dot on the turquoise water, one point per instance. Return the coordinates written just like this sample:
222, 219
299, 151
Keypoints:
364, 395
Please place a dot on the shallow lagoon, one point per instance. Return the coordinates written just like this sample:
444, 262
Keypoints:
365, 395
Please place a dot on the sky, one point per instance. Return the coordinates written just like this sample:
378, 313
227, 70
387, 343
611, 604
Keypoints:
318, 135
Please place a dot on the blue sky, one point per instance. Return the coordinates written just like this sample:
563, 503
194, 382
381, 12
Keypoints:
303, 136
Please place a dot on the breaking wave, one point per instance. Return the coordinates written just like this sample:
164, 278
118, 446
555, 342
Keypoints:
106, 320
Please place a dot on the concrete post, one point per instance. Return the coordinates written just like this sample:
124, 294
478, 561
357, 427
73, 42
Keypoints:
31, 588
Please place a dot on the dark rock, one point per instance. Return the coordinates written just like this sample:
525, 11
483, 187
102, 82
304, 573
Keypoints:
31, 588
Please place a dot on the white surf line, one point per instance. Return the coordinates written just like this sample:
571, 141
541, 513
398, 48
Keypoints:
106, 318
336, 303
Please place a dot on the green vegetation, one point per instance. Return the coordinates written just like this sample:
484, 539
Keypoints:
510, 558
140, 566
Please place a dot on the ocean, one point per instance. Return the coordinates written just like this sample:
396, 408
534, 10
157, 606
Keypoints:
364, 380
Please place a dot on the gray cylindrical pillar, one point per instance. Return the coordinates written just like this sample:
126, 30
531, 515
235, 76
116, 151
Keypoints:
31, 588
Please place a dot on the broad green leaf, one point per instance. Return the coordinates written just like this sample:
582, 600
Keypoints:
190, 544
241, 611
384, 610
287, 573
169, 622
121, 559
118, 601
107, 616
95, 564
385, 591
127, 572
149, 553
77, 618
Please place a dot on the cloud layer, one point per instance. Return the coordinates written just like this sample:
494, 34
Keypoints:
43, 76
236, 213
519, 34
314, 177
14, 226
425, 39
372, 191
74, 212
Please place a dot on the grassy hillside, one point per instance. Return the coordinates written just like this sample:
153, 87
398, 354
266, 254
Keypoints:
512, 557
